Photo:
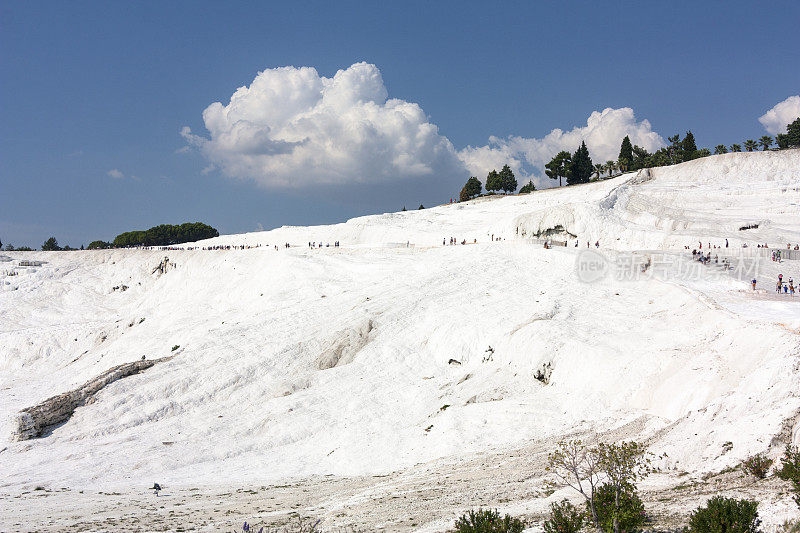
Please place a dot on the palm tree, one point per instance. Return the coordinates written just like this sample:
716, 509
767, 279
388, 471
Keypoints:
736, 148
598, 169
765, 141
611, 167
720, 149
750, 145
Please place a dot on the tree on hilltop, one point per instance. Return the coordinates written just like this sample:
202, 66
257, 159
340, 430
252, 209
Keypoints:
559, 166
750, 145
625, 158
493, 181
688, 147
528, 187
51, 245
720, 149
470, 190
736, 148
793, 132
765, 141
581, 168
508, 182
641, 156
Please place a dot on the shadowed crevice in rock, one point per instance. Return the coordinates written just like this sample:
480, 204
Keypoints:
36, 421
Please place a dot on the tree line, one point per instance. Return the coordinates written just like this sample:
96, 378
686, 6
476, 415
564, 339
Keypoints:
163, 235
577, 167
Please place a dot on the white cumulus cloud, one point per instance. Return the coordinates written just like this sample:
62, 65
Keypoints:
292, 128
783, 113
603, 134
116, 173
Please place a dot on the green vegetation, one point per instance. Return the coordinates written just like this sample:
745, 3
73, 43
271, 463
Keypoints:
580, 167
580, 467
725, 515
564, 518
488, 521
501, 181
559, 166
619, 510
757, 466
625, 158
50, 245
165, 235
99, 245
471, 189
790, 471
527, 188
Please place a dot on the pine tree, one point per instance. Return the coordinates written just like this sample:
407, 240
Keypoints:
675, 149
640, 157
625, 158
793, 132
689, 147
581, 168
471, 189
420, 207
493, 182
50, 245
528, 187
508, 182
559, 166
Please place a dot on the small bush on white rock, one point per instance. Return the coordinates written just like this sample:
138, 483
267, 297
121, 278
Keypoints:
488, 521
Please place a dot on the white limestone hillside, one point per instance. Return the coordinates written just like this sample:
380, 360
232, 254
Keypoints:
299, 362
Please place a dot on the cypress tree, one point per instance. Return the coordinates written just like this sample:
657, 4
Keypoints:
688, 147
625, 154
581, 167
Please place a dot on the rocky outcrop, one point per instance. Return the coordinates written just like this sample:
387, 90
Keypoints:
33, 422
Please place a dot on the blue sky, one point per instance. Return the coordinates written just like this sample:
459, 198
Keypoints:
93, 90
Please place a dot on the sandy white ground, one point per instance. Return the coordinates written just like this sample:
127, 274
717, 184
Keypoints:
300, 363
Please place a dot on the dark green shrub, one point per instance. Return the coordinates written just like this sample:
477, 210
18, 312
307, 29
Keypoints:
630, 513
757, 466
790, 470
725, 515
564, 518
488, 521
